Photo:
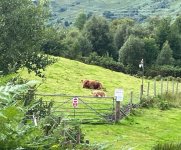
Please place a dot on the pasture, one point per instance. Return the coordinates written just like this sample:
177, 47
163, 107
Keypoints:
139, 132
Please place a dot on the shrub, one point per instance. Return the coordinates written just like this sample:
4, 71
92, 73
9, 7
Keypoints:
164, 71
147, 102
104, 61
158, 78
164, 105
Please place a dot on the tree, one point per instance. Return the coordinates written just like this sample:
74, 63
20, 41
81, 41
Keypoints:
165, 57
80, 21
22, 25
83, 45
121, 35
163, 31
175, 38
98, 33
151, 51
132, 51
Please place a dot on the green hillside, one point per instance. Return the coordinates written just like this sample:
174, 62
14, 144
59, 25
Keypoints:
67, 10
139, 132
64, 77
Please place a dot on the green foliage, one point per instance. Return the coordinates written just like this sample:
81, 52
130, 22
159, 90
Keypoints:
80, 21
106, 62
13, 134
151, 51
164, 105
116, 23
53, 42
175, 37
22, 29
98, 33
166, 55
163, 31
121, 35
163, 102
158, 78
132, 52
147, 102
164, 71
18, 131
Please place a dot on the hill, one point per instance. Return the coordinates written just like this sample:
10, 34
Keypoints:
140, 131
64, 77
67, 10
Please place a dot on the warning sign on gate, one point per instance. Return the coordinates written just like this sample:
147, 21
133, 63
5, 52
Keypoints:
75, 102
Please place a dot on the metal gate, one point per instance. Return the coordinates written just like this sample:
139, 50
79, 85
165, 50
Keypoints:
84, 108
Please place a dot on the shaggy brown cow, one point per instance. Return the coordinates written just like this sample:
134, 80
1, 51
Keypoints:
98, 93
91, 84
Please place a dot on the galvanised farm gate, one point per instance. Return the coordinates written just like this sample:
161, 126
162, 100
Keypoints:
84, 108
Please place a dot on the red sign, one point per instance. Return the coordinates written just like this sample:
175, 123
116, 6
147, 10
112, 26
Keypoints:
75, 102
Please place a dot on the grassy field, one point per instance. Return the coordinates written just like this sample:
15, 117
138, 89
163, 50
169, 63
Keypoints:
64, 77
139, 132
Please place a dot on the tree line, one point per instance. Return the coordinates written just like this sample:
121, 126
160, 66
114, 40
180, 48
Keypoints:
118, 44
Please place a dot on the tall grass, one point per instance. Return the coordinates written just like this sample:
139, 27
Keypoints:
168, 146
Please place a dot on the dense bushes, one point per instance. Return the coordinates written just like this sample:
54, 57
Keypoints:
18, 131
163, 102
106, 62
164, 71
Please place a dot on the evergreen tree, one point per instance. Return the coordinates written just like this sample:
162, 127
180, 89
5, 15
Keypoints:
151, 51
165, 57
163, 31
80, 21
175, 39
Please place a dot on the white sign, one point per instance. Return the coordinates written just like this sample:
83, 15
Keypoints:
75, 102
118, 94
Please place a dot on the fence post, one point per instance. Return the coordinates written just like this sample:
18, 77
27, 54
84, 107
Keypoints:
117, 112
154, 87
161, 86
177, 88
63, 126
141, 91
78, 136
148, 89
167, 86
131, 98
173, 87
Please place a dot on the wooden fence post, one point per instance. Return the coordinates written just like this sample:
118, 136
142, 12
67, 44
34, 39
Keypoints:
78, 136
148, 89
131, 98
177, 88
167, 86
117, 112
154, 87
161, 86
173, 87
141, 91
63, 131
